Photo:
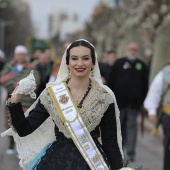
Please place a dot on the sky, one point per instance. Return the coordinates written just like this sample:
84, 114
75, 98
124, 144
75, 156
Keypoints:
41, 9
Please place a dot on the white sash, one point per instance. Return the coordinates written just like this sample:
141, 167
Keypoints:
68, 113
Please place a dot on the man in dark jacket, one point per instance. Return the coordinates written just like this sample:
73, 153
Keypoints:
129, 82
44, 68
106, 66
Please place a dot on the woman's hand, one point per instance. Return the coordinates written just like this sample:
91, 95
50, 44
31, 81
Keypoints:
15, 98
152, 119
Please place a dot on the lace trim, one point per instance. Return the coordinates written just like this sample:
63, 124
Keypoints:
94, 106
27, 86
45, 99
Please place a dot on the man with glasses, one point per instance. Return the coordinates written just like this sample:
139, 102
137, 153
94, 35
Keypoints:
129, 82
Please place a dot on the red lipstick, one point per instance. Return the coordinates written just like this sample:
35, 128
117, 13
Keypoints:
80, 69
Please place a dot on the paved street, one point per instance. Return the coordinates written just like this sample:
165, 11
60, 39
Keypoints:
149, 151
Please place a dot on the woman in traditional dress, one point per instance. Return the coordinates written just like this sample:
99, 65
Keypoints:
80, 109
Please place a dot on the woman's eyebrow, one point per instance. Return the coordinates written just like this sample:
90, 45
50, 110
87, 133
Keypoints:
86, 55
73, 56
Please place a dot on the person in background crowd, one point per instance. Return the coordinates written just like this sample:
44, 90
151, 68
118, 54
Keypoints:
57, 63
159, 96
106, 66
103, 58
44, 67
35, 56
129, 82
49, 54
11, 73
148, 59
102, 66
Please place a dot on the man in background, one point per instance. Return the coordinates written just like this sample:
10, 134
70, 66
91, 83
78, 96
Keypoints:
159, 97
129, 82
44, 68
106, 67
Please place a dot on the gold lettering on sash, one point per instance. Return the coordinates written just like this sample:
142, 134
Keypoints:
67, 108
86, 147
83, 139
68, 111
59, 88
61, 91
99, 164
95, 159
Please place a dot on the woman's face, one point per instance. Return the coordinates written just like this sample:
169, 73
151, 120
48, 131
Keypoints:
80, 62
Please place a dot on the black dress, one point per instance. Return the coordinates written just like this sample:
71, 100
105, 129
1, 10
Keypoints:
63, 154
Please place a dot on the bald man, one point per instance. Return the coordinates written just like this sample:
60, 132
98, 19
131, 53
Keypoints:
129, 82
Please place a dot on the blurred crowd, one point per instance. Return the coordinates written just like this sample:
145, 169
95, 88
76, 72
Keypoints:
127, 76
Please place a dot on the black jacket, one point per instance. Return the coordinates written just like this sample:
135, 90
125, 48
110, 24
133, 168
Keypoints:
129, 82
45, 72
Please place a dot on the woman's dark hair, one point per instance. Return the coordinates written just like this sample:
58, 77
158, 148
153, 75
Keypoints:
81, 43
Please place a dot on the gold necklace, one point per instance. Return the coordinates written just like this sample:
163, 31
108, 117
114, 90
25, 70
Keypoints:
77, 100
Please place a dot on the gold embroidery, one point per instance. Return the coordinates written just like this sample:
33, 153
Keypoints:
99, 164
86, 147
95, 159
80, 146
83, 139
56, 104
